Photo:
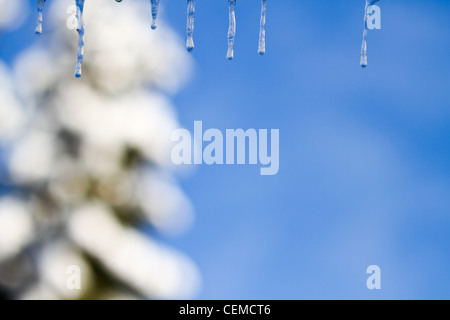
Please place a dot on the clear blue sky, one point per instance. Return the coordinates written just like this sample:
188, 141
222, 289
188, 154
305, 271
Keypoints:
364, 154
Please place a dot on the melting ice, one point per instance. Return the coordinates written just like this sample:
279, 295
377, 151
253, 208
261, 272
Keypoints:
40, 8
80, 29
262, 29
190, 25
231, 29
363, 61
155, 8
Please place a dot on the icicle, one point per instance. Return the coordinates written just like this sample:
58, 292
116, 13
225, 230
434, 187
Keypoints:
363, 61
190, 25
262, 29
155, 6
40, 8
80, 29
231, 29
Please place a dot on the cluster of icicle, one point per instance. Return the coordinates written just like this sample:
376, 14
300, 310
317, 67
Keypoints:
190, 28
231, 28
80, 30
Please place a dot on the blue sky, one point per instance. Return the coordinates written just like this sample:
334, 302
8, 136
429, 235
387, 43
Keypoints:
364, 154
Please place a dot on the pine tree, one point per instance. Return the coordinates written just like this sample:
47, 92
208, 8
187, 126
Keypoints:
86, 161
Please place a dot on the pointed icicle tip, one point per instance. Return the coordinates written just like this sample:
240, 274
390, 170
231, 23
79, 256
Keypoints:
155, 8
363, 61
40, 8
190, 25
231, 29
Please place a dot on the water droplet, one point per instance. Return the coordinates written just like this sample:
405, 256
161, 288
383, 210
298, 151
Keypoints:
190, 25
155, 6
40, 8
231, 29
262, 29
80, 30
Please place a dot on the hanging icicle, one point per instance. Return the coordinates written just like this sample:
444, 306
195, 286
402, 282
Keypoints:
370, 22
155, 8
363, 61
231, 29
262, 29
190, 25
80, 29
40, 8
